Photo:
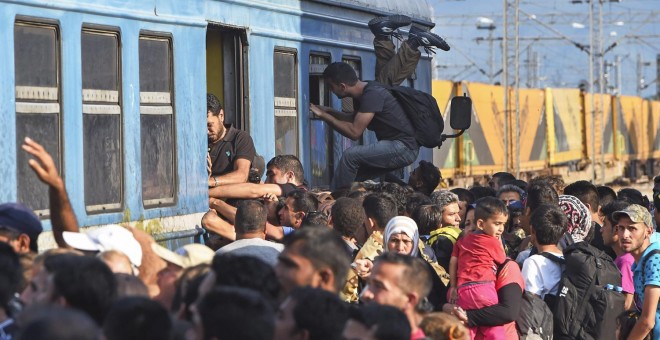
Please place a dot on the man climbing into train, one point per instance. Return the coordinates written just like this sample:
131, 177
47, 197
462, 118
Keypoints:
394, 66
375, 107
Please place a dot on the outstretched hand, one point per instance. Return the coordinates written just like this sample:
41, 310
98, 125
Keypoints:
43, 164
317, 111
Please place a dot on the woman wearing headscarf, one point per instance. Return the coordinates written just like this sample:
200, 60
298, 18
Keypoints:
579, 220
402, 236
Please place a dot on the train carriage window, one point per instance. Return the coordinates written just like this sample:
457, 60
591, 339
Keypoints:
320, 132
38, 115
347, 103
286, 102
102, 132
157, 121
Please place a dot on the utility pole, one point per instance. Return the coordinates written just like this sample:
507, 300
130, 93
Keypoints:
617, 62
601, 83
591, 91
505, 83
640, 79
516, 152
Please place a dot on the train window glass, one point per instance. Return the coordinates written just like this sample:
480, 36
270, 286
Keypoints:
347, 103
37, 72
101, 120
286, 102
320, 133
157, 121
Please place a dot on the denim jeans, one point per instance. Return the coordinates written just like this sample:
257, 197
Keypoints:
362, 162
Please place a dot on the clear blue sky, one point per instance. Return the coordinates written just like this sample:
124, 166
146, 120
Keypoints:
556, 27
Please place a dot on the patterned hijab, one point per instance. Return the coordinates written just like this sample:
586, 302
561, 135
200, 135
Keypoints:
579, 219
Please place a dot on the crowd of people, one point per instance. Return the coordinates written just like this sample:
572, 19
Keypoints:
367, 260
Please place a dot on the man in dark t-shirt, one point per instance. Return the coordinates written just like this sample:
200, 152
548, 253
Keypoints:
230, 151
375, 109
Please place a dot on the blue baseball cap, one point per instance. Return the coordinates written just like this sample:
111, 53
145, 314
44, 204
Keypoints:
22, 219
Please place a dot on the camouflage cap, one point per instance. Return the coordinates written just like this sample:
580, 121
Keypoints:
636, 213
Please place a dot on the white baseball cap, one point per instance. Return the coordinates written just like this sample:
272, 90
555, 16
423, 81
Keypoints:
111, 237
187, 256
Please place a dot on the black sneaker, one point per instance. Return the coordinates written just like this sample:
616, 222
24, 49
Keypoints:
427, 39
386, 26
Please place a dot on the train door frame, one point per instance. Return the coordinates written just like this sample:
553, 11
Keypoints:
233, 88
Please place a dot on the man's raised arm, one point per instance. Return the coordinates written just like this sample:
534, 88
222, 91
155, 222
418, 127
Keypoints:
61, 213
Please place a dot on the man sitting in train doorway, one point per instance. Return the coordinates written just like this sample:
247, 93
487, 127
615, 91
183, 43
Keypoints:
394, 66
376, 109
231, 151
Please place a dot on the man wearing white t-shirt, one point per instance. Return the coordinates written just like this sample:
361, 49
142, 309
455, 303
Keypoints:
542, 271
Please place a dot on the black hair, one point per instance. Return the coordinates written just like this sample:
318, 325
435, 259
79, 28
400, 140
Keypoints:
520, 184
608, 210
539, 193
480, 192
187, 288
213, 104
247, 272
549, 224
357, 194
415, 276
319, 312
504, 177
58, 323
586, 192
340, 73
11, 276
315, 219
380, 207
86, 283
510, 188
430, 176
236, 313
416, 200
398, 193
137, 318
427, 217
303, 201
323, 247
464, 195
605, 194
488, 207
286, 163
347, 216
633, 196
250, 217
130, 285
389, 322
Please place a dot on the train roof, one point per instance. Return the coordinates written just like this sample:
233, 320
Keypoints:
419, 10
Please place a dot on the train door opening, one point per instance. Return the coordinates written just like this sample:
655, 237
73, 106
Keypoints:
227, 72
320, 132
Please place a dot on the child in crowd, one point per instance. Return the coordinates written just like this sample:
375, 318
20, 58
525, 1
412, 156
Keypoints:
474, 262
543, 270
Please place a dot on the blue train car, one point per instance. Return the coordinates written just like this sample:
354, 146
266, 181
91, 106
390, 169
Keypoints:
115, 91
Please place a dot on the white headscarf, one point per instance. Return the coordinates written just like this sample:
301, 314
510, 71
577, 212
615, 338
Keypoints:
405, 225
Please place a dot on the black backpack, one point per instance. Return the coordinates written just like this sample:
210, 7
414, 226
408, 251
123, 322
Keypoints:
534, 321
423, 112
583, 308
535, 318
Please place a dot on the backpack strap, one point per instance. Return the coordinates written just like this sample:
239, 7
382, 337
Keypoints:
552, 257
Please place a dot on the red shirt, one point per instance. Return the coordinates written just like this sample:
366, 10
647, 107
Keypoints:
478, 257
